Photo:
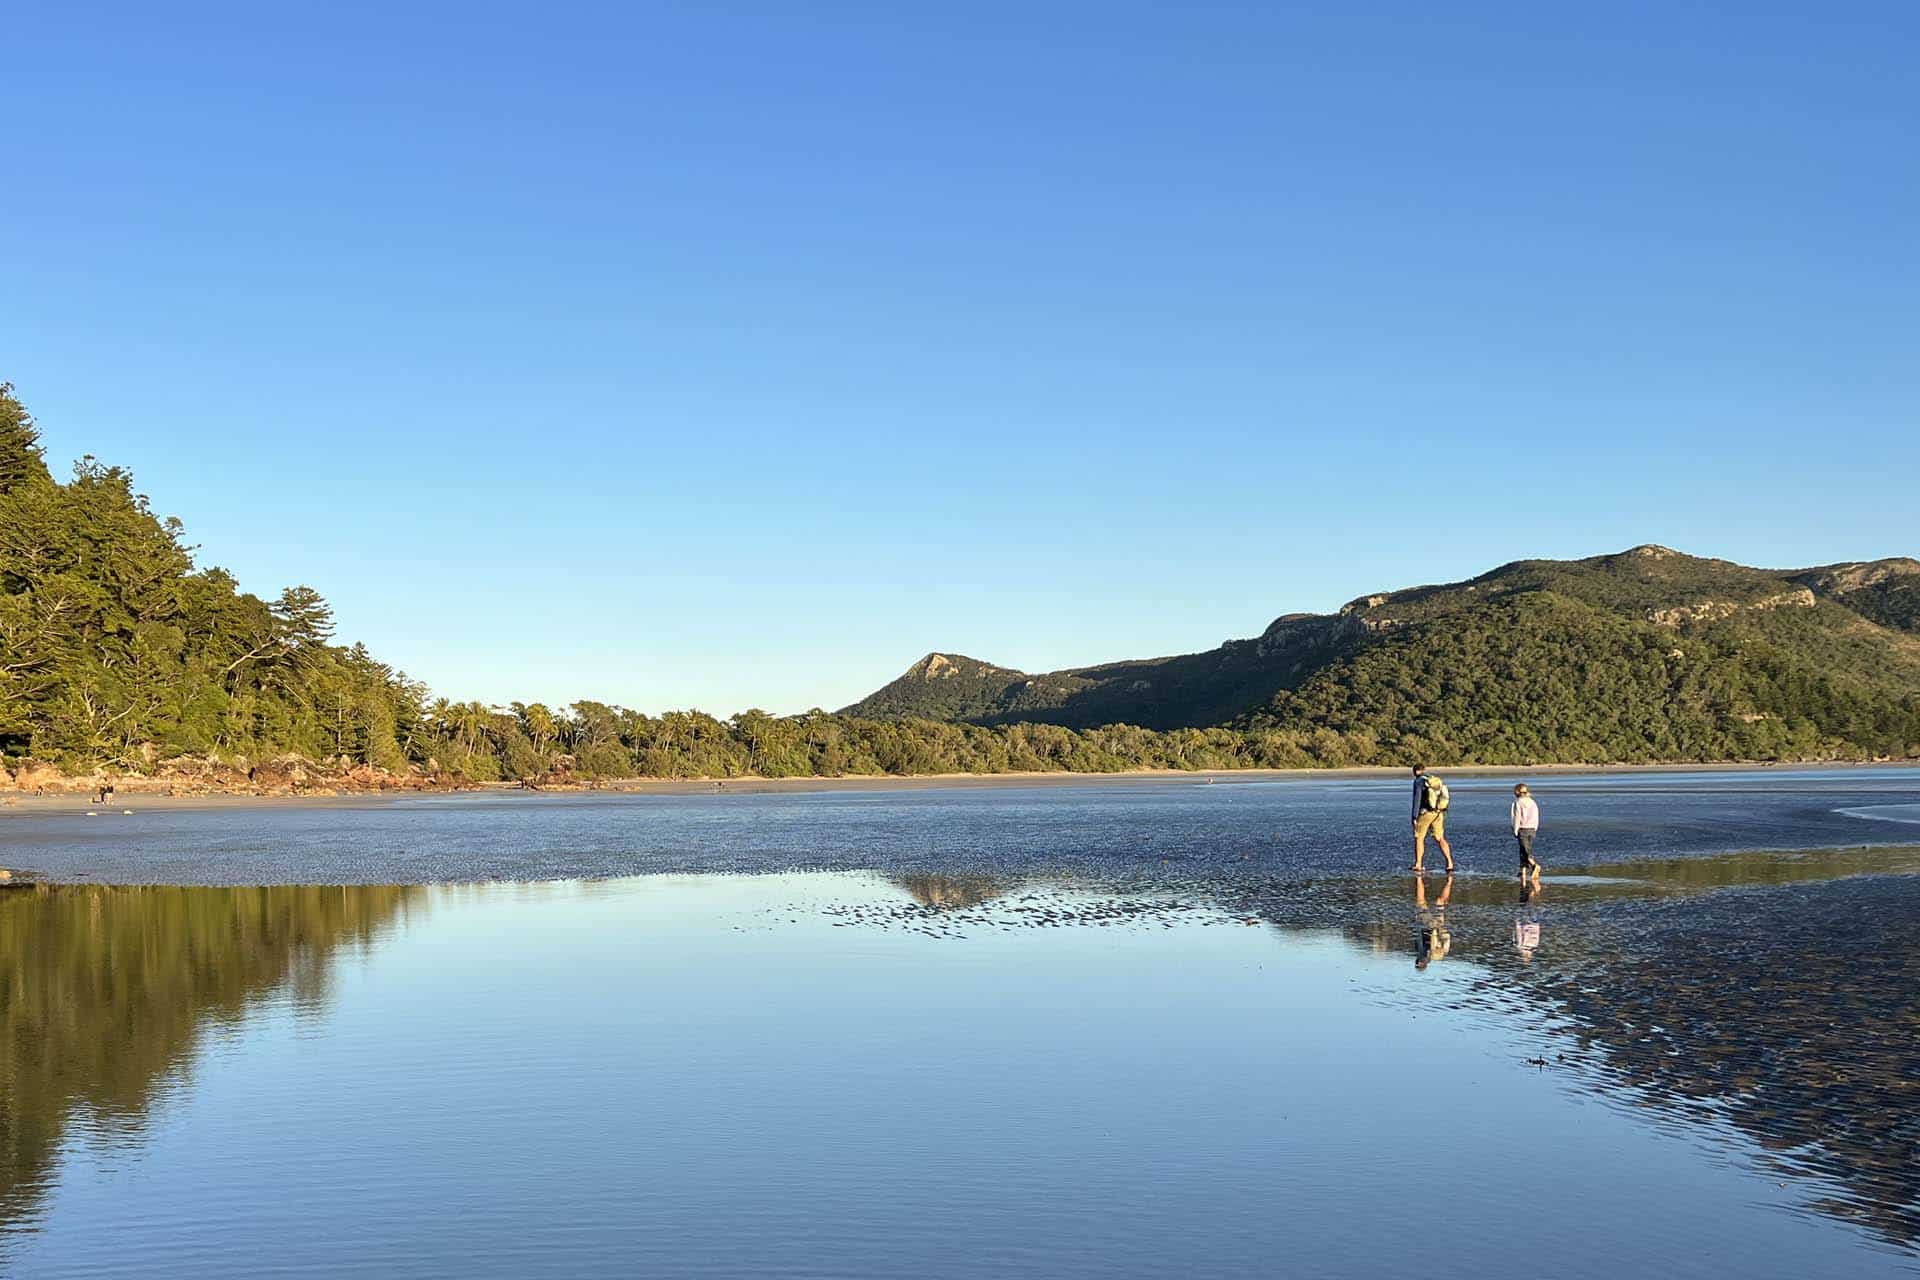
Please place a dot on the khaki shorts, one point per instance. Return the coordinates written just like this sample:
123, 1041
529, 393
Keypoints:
1433, 822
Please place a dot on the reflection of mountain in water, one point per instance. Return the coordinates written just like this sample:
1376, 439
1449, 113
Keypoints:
105, 992
948, 893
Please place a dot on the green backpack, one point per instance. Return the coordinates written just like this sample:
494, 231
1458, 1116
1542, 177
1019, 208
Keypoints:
1437, 798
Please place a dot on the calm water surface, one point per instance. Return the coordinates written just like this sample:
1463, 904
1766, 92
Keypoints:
1097, 1030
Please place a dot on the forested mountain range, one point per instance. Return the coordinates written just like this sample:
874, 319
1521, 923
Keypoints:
1647, 654
119, 654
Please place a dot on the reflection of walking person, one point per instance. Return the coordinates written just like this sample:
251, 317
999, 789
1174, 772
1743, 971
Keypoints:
1435, 939
1430, 801
1526, 922
1526, 825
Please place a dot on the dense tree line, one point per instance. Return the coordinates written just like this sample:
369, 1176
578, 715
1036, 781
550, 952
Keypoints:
117, 652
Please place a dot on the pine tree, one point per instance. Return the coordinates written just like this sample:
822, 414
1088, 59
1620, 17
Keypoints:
21, 457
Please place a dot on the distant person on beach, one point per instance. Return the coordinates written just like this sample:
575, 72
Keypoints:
1526, 825
1430, 801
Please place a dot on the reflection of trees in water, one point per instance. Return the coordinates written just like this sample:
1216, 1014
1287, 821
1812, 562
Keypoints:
105, 992
1788, 1008
951, 892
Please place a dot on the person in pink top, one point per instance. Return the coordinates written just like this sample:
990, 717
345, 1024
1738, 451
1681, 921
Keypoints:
1526, 825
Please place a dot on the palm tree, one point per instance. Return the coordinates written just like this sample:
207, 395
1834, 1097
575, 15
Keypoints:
470, 719
538, 724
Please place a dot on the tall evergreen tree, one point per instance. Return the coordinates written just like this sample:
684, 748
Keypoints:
21, 457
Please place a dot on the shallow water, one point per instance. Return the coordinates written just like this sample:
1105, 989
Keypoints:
1908, 813
1061, 1055
1297, 825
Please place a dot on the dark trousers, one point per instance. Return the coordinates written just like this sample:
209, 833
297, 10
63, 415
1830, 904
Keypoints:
1525, 836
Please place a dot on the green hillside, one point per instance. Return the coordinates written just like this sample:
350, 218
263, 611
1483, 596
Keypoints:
1188, 691
1644, 655
1883, 591
1539, 676
944, 686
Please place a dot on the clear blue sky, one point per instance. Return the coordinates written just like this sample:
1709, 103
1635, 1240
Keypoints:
728, 355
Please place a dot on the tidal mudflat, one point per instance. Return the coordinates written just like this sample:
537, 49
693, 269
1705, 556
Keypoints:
1205, 1029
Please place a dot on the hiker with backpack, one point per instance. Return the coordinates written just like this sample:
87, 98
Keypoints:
1430, 801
